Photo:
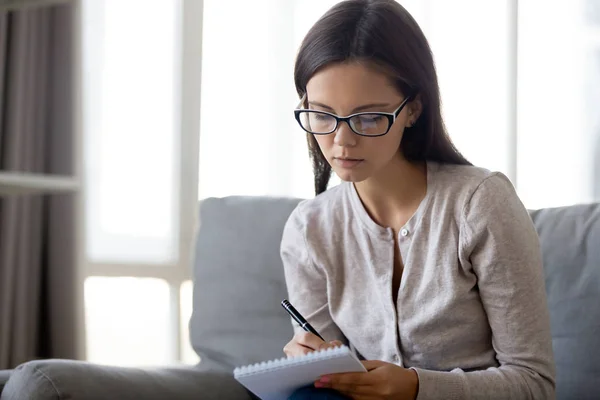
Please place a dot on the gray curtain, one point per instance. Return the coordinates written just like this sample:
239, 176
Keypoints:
38, 302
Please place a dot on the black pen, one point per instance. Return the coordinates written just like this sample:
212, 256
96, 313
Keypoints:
299, 318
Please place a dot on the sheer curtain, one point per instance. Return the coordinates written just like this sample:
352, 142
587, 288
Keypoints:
518, 93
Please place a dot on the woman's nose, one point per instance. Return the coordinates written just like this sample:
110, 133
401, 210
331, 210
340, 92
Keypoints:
344, 135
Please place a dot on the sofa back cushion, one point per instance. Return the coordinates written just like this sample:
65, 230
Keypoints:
239, 282
570, 240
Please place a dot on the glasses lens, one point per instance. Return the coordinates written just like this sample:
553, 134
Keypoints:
317, 122
370, 124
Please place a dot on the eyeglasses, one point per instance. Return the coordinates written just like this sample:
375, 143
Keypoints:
363, 124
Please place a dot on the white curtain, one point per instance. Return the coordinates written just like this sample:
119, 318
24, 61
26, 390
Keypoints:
519, 82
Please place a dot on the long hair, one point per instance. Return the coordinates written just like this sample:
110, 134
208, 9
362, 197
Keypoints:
381, 32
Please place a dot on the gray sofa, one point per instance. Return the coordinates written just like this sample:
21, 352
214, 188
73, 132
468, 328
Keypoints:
237, 318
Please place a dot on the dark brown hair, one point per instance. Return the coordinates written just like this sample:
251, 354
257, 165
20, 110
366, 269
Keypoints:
383, 33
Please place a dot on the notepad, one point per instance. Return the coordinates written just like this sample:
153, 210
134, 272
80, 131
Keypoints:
278, 379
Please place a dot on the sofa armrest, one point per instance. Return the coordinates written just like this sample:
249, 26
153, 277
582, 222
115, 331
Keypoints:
4, 375
63, 379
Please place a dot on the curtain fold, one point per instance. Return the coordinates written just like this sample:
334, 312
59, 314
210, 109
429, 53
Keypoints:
37, 263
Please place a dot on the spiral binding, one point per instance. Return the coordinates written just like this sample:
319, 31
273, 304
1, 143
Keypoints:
285, 362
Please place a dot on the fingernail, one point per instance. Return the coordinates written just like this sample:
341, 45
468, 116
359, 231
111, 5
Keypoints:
324, 379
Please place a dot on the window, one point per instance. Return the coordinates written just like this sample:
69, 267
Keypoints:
519, 96
558, 81
139, 82
252, 154
273, 153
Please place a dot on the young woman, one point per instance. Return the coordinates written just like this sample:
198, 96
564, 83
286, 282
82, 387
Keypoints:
429, 267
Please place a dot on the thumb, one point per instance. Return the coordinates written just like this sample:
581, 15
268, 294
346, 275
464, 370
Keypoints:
370, 365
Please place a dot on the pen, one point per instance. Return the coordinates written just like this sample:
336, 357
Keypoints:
299, 318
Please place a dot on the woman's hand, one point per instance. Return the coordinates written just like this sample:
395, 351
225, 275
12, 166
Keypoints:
306, 342
382, 381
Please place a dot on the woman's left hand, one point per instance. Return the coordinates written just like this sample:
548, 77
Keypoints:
382, 381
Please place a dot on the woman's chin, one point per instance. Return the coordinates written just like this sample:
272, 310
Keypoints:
351, 176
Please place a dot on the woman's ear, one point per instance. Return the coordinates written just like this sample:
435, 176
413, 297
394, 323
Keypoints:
415, 107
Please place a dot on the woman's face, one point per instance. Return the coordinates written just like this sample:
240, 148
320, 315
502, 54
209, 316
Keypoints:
348, 88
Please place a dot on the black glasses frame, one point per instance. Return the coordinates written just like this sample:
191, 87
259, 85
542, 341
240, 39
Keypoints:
390, 116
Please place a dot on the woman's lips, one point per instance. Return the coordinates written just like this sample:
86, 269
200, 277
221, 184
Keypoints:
347, 162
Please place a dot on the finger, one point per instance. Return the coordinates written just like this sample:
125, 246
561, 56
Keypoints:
356, 378
308, 339
330, 345
369, 365
359, 392
293, 349
356, 382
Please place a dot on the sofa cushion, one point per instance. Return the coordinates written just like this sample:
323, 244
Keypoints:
4, 375
64, 379
570, 241
237, 317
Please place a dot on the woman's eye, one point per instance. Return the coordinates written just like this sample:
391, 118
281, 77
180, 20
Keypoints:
322, 117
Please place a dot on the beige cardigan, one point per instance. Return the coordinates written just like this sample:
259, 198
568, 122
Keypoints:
471, 315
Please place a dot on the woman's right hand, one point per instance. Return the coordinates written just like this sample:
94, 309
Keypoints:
306, 342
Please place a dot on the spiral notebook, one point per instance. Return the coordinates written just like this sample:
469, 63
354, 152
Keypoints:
278, 379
